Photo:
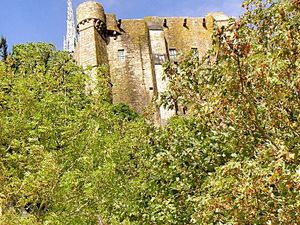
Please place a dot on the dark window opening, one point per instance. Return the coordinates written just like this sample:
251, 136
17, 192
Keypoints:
121, 54
173, 54
204, 23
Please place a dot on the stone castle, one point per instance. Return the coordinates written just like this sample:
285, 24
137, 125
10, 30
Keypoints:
135, 49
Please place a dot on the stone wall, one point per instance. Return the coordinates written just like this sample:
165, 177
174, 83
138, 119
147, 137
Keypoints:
183, 37
135, 50
132, 76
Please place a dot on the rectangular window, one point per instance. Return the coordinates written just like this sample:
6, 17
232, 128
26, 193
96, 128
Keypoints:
195, 52
121, 54
159, 59
173, 54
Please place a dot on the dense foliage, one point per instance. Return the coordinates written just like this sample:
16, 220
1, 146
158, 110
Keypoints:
64, 154
246, 91
3, 49
68, 156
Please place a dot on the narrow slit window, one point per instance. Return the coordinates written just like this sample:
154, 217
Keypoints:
121, 54
173, 54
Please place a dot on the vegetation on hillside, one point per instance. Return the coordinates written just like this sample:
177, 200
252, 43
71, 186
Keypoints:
71, 157
246, 93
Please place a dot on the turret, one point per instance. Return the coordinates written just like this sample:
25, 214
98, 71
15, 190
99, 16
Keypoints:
91, 28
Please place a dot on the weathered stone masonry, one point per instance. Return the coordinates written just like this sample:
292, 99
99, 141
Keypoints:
135, 49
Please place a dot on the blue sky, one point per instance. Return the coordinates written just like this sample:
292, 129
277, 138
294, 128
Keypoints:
44, 20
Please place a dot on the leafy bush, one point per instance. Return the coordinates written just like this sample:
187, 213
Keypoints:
246, 90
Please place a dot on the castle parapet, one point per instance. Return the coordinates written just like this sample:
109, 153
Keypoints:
88, 12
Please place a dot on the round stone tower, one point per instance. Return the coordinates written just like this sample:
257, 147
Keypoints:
91, 27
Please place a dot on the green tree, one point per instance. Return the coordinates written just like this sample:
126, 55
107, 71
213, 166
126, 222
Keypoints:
3, 48
41, 93
247, 91
66, 156
173, 169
